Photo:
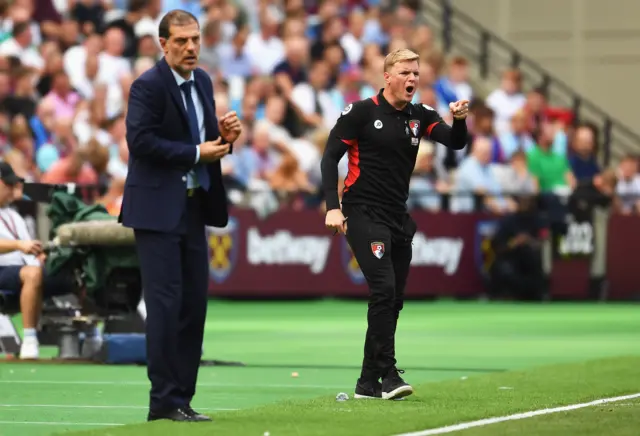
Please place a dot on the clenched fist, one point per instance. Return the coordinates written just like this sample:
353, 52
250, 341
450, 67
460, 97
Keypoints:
459, 109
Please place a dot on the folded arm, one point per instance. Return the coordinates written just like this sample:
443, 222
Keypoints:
144, 121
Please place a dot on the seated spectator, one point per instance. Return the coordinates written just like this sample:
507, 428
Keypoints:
20, 154
235, 60
264, 48
293, 69
483, 126
507, 100
474, 177
74, 168
455, 85
628, 187
289, 182
64, 98
312, 101
515, 178
583, 159
518, 138
425, 187
551, 169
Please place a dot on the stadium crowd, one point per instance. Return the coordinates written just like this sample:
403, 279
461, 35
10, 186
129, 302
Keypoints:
288, 68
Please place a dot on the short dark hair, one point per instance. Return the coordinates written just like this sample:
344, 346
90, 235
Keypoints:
20, 28
176, 17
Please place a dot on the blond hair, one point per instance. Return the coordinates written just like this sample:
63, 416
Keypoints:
397, 56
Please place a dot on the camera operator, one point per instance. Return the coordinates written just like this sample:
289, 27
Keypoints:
517, 269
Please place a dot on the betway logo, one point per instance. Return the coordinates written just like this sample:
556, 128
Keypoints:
443, 252
283, 248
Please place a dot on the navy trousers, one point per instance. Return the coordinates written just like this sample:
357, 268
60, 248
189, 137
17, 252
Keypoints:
174, 271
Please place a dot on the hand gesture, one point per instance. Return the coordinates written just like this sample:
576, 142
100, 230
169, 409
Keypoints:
230, 126
212, 151
30, 247
459, 109
336, 221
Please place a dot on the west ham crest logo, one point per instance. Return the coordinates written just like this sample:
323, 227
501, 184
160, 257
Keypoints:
414, 125
377, 248
223, 250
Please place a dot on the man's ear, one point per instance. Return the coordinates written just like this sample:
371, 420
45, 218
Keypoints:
163, 43
387, 77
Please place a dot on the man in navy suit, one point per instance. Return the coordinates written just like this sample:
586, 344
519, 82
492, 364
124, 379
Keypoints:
173, 190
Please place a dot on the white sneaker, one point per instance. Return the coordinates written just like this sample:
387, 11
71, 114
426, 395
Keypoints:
91, 346
30, 348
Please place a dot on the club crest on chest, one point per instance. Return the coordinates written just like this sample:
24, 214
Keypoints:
414, 125
377, 248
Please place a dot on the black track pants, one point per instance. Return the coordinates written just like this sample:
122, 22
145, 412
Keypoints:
381, 243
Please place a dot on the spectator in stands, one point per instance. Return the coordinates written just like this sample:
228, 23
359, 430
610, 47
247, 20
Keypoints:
351, 41
63, 97
21, 153
518, 138
264, 48
583, 157
73, 168
455, 85
209, 55
535, 109
425, 187
21, 46
101, 48
288, 182
507, 100
628, 186
515, 179
483, 126
474, 178
551, 169
313, 101
293, 68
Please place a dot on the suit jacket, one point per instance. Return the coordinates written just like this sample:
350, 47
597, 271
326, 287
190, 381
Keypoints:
161, 153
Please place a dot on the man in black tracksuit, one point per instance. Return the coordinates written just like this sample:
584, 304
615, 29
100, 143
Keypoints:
381, 136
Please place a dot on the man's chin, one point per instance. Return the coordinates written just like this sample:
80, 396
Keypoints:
189, 65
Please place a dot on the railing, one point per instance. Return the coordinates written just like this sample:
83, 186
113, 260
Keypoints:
461, 33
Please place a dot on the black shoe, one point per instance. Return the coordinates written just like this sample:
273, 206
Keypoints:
180, 415
368, 389
197, 415
393, 387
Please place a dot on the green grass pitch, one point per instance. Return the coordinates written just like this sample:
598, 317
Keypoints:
467, 361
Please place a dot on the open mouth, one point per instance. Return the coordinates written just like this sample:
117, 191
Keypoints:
190, 58
410, 89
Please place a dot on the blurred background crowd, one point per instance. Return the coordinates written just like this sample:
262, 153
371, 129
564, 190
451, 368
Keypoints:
288, 68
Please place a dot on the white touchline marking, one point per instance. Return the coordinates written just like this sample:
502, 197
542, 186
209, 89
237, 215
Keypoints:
489, 421
75, 406
136, 383
92, 424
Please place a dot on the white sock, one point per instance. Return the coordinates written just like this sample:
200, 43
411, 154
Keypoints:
30, 333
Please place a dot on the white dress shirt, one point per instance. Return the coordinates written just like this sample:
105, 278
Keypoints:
191, 177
